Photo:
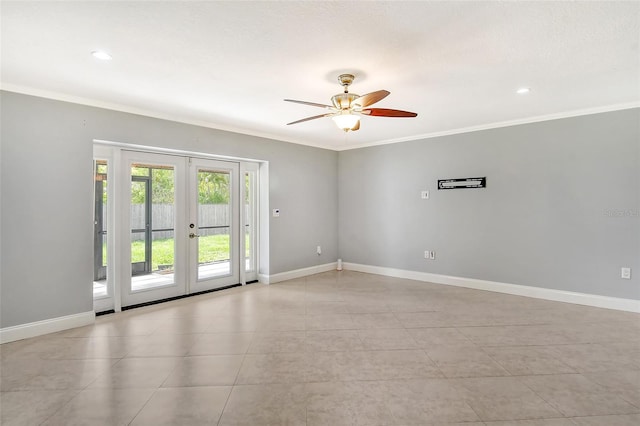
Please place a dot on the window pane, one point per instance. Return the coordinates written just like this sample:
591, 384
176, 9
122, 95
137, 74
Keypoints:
100, 230
250, 221
139, 170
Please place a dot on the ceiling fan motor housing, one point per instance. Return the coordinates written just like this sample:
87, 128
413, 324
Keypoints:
344, 100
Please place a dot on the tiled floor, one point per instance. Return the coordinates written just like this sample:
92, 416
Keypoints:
333, 349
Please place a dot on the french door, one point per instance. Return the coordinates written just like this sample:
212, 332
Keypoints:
214, 224
153, 258
177, 226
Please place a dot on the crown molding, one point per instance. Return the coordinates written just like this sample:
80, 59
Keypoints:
57, 96
170, 117
500, 124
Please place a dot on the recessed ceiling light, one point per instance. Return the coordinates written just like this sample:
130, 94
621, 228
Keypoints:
523, 90
101, 55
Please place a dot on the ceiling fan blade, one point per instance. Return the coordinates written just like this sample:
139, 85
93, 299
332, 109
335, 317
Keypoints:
384, 112
309, 103
310, 118
371, 98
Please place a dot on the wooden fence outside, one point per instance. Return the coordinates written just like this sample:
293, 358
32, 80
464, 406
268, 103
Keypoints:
162, 217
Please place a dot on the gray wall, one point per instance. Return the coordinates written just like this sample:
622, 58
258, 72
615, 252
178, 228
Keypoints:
46, 160
561, 209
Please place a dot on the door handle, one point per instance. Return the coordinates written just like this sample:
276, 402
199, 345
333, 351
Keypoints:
192, 235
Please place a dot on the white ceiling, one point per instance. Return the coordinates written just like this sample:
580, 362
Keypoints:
229, 65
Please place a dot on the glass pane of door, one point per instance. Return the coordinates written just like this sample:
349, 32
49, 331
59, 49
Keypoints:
152, 226
162, 222
214, 224
140, 246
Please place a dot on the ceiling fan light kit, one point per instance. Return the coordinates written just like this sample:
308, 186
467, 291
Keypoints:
348, 107
346, 121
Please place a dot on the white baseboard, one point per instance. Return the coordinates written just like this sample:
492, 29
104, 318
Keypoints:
38, 328
630, 305
297, 273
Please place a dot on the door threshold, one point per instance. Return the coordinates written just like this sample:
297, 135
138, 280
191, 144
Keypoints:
169, 299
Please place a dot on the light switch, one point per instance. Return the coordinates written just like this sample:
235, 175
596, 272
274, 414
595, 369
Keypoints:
276, 212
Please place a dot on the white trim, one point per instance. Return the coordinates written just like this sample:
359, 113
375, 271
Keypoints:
296, 273
620, 304
179, 119
38, 328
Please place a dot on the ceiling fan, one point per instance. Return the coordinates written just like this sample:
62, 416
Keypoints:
348, 107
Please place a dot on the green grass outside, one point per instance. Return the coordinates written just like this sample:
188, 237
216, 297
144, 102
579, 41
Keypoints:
212, 248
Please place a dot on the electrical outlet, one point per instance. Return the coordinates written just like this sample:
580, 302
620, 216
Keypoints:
427, 254
276, 212
424, 195
625, 273
432, 255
